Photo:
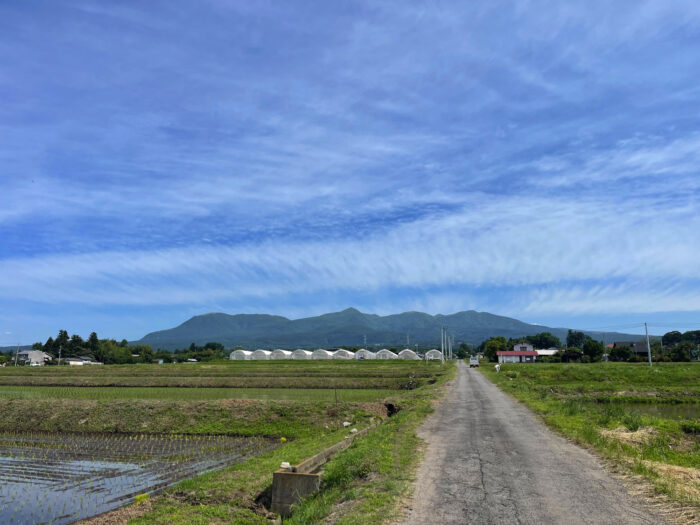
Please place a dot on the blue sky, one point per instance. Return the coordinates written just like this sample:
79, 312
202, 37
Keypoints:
528, 158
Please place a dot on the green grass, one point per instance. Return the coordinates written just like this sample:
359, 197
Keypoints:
369, 477
193, 394
606, 406
390, 375
658, 383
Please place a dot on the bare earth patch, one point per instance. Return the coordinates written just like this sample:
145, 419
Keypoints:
119, 516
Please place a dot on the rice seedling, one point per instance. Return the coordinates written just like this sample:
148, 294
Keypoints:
59, 478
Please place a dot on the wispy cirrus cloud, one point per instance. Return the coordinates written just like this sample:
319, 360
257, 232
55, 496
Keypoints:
530, 156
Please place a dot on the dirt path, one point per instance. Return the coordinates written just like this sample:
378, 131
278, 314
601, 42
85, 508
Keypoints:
489, 461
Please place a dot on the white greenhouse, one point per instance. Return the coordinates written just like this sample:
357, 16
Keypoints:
321, 354
261, 355
301, 354
386, 354
281, 354
341, 353
409, 354
241, 355
362, 354
433, 355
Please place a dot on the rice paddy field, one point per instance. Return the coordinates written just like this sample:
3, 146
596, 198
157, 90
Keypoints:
643, 419
193, 394
194, 443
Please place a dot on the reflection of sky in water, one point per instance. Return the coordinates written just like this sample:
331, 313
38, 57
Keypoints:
48, 479
665, 411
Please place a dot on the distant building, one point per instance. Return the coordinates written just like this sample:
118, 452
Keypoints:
638, 347
33, 357
517, 356
523, 347
548, 352
79, 361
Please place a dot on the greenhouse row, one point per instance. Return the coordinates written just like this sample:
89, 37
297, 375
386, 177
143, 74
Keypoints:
321, 353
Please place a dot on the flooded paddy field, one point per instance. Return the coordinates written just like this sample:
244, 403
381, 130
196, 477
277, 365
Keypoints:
679, 411
59, 478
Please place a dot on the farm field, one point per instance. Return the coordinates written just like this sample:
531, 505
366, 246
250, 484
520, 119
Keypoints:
194, 394
248, 431
76, 476
394, 375
644, 419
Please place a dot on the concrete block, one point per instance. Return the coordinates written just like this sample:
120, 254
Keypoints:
289, 488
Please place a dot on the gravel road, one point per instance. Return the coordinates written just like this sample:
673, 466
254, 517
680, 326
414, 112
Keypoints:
490, 461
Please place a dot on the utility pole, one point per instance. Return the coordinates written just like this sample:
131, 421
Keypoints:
16, 354
365, 336
60, 347
646, 330
442, 343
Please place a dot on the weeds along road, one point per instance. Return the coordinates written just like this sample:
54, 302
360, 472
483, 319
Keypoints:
490, 461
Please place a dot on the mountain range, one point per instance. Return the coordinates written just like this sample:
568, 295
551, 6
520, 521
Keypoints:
349, 328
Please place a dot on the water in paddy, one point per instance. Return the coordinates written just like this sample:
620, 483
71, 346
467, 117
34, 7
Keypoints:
665, 411
61, 478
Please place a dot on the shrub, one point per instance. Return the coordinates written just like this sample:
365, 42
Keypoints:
632, 421
691, 427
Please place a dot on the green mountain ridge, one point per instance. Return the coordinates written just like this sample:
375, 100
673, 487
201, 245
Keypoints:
348, 328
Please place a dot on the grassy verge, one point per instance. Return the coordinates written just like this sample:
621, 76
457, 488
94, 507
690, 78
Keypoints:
604, 406
362, 484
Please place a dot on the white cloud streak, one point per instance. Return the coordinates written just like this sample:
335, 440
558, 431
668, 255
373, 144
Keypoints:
512, 242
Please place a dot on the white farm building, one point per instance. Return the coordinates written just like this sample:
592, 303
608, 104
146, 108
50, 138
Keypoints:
321, 354
302, 354
386, 354
241, 355
409, 354
261, 355
281, 354
341, 353
433, 355
363, 354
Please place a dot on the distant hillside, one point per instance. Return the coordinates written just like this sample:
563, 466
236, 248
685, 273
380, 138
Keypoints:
348, 328
13, 349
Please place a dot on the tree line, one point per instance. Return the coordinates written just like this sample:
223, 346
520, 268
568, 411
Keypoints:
674, 346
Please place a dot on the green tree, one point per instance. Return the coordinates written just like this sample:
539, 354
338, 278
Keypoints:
593, 349
50, 346
575, 339
166, 356
544, 340
61, 341
681, 352
692, 336
93, 344
571, 355
671, 338
462, 351
494, 345
621, 353
76, 346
